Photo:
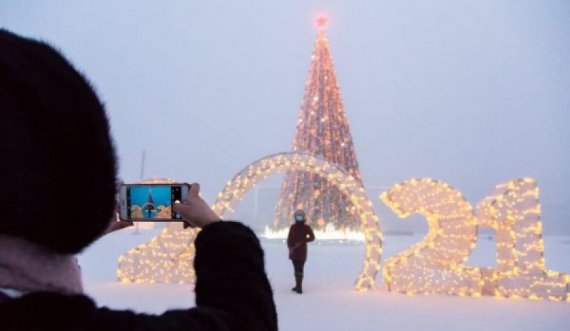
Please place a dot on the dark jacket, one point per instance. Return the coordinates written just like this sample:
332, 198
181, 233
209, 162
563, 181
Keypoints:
232, 293
299, 235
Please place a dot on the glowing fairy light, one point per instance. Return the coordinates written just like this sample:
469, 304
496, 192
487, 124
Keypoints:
167, 258
437, 263
513, 211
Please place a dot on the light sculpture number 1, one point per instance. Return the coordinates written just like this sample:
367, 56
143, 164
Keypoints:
513, 211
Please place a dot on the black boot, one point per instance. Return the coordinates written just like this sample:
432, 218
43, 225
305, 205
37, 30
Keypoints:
294, 289
298, 284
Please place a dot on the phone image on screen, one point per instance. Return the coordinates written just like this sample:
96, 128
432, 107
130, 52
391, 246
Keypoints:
150, 202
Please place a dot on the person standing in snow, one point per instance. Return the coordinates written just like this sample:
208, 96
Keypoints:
299, 235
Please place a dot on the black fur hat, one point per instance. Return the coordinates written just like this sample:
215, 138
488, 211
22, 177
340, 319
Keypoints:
57, 162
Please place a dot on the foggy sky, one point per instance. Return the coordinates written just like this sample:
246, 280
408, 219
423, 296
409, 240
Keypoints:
470, 92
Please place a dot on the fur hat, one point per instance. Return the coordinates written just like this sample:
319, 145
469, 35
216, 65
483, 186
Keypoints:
57, 162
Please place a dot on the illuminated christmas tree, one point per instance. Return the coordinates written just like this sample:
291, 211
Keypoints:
322, 129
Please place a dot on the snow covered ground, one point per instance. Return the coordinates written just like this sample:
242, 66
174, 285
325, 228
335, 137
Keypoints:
329, 302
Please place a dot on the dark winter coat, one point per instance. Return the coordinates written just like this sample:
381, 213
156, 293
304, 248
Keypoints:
299, 235
232, 293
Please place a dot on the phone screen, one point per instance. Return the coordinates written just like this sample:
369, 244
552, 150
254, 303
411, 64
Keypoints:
152, 202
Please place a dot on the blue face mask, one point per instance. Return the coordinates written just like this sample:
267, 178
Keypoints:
299, 218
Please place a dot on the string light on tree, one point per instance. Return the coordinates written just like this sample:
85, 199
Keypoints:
322, 130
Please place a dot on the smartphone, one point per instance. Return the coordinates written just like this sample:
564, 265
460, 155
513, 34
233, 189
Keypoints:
151, 202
